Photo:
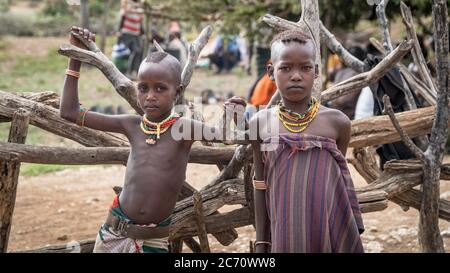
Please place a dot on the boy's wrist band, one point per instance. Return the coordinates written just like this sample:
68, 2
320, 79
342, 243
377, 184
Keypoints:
73, 73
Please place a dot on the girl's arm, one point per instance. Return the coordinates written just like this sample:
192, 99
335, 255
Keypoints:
262, 223
344, 127
261, 218
70, 106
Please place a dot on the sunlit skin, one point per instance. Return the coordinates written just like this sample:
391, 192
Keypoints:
293, 69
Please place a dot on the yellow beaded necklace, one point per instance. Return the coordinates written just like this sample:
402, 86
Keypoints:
154, 129
291, 119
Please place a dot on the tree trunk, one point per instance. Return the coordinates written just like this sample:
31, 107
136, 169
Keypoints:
84, 13
430, 238
104, 30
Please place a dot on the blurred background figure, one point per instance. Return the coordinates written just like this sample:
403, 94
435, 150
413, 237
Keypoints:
226, 53
131, 33
176, 46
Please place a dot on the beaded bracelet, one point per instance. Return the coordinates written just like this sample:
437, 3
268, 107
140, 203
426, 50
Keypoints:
81, 116
259, 185
73, 73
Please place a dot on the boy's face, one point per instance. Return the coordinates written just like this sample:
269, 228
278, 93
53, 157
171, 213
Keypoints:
294, 70
156, 89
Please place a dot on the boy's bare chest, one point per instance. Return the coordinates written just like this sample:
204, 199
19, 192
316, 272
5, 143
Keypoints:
165, 149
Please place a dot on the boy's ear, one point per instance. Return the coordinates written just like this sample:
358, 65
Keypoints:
270, 69
316, 71
179, 91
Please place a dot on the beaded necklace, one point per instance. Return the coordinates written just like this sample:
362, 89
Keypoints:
291, 119
153, 130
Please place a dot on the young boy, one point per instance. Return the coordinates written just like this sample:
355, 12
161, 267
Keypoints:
139, 218
304, 195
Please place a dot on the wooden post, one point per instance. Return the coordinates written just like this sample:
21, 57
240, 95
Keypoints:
192, 244
248, 188
9, 174
104, 30
430, 238
202, 235
176, 246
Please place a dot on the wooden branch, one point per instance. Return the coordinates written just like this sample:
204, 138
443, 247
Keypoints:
248, 187
9, 177
365, 163
310, 22
333, 44
278, 23
192, 244
413, 198
48, 98
416, 84
157, 46
194, 51
416, 52
379, 130
230, 192
224, 237
217, 223
373, 206
85, 246
48, 118
430, 238
199, 217
234, 167
124, 86
102, 155
327, 37
406, 139
367, 78
382, 20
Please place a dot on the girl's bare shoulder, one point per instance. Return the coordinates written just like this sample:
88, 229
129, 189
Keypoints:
336, 117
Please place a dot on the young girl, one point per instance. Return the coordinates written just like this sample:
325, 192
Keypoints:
304, 196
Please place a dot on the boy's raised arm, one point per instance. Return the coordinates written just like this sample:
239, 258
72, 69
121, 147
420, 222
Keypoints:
70, 107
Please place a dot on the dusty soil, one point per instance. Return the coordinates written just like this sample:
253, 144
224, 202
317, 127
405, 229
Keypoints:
70, 205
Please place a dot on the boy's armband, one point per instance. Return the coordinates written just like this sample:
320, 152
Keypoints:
73, 73
259, 184
81, 116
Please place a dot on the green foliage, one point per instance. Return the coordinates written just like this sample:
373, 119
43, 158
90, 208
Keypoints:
4, 5
238, 15
56, 8
38, 72
12, 24
38, 169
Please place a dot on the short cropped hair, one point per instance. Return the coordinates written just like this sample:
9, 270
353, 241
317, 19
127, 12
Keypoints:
156, 57
288, 36
168, 60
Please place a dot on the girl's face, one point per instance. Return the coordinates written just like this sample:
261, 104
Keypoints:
294, 71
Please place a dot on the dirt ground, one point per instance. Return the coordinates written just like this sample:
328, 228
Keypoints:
70, 205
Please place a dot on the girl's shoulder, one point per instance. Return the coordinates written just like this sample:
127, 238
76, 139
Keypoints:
334, 117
